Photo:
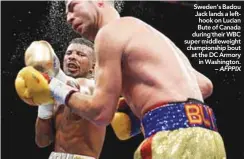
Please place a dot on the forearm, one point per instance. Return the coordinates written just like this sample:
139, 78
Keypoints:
98, 108
92, 108
82, 105
44, 132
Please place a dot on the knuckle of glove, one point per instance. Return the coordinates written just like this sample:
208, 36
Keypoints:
121, 125
32, 87
41, 56
125, 124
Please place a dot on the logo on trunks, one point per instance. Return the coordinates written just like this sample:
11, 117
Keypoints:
200, 115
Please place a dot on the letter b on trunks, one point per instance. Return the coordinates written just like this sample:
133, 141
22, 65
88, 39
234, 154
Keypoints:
199, 115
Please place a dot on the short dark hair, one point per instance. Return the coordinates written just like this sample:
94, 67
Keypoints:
82, 41
118, 5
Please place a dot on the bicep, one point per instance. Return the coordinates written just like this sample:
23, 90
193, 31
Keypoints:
108, 74
109, 78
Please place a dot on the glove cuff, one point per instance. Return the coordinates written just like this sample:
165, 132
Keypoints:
45, 111
61, 76
60, 91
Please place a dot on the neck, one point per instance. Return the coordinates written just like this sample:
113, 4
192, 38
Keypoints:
107, 16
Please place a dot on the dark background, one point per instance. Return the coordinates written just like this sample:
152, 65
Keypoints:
23, 22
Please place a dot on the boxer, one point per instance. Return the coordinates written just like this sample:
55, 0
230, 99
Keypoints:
73, 136
78, 63
155, 78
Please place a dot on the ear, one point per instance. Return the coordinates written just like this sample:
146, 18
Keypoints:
100, 3
93, 66
91, 71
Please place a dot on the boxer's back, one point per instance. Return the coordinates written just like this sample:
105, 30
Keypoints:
154, 70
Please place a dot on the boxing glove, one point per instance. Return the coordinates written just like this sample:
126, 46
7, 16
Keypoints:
32, 87
36, 88
42, 57
125, 124
46, 111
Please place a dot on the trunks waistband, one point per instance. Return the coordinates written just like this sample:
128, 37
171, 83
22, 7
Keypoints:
61, 155
175, 115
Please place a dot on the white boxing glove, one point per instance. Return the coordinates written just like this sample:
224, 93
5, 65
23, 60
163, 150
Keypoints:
42, 57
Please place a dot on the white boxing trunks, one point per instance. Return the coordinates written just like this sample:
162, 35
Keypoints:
61, 155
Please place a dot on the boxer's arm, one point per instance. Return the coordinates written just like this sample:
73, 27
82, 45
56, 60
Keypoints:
101, 106
89, 83
44, 126
204, 83
44, 132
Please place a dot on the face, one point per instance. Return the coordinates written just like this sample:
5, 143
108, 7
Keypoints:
81, 14
78, 60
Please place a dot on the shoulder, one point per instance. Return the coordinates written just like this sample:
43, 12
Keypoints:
85, 82
118, 31
86, 85
125, 22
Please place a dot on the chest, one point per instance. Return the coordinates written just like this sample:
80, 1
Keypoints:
65, 117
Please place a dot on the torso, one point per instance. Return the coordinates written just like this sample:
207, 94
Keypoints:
76, 135
154, 70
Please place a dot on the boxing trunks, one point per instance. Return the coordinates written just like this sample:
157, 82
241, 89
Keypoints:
180, 130
60, 155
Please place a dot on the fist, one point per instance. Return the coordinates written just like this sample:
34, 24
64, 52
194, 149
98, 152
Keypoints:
32, 87
121, 125
42, 57
125, 124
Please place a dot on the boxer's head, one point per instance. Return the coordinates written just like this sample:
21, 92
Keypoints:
79, 58
87, 17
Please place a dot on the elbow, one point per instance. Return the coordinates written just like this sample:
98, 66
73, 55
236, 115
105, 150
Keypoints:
102, 111
207, 89
103, 118
42, 143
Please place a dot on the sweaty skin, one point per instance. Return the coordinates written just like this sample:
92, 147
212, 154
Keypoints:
154, 70
76, 135
148, 69
135, 60
77, 60
70, 132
